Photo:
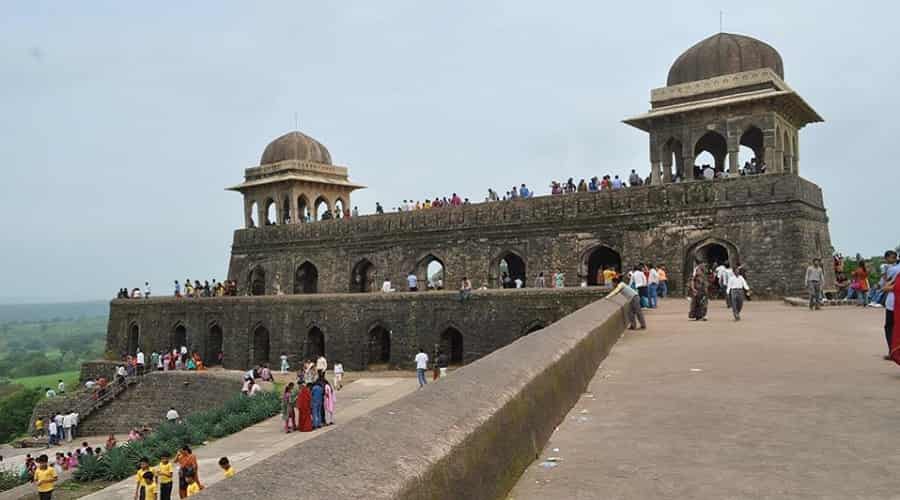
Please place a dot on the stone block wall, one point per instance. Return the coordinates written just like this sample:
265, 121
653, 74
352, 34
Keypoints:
762, 221
147, 402
93, 370
354, 327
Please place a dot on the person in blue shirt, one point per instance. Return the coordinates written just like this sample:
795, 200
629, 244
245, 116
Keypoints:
412, 282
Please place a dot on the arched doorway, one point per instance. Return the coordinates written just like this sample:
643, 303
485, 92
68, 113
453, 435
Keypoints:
179, 337
306, 279
260, 345
599, 260
303, 209
710, 253
286, 215
257, 281
430, 272
254, 210
322, 209
673, 155
214, 345
270, 212
750, 154
315, 343
713, 143
379, 346
512, 265
362, 278
134, 338
452, 345
339, 210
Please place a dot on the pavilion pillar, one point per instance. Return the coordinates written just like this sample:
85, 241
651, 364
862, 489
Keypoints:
667, 172
688, 167
771, 165
295, 209
733, 168
261, 213
655, 178
248, 212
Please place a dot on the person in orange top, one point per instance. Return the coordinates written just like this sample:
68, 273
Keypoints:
663, 281
861, 283
187, 465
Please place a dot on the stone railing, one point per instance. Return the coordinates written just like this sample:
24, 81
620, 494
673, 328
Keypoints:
468, 436
566, 210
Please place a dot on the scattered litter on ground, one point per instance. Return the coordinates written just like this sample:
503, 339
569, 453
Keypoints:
583, 412
554, 459
696, 370
555, 450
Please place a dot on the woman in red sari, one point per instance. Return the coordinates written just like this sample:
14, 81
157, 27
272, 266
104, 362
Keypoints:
895, 334
304, 410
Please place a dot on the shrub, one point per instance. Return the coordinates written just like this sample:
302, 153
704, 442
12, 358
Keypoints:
236, 414
9, 480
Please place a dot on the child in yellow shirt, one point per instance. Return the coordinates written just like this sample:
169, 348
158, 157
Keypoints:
193, 486
147, 487
165, 471
227, 469
44, 478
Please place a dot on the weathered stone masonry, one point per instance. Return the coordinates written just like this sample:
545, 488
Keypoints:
358, 329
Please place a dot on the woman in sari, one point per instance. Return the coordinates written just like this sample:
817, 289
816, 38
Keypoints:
198, 361
699, 300
329, 404
304, 410
895, 333
187, 466
287, 409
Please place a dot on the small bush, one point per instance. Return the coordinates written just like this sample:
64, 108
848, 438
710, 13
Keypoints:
9, 480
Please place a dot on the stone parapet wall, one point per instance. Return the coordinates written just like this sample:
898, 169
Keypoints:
93, 370
468, 436
490, 319
768, 222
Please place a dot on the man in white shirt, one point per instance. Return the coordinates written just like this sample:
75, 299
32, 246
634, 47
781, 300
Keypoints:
421, 366
172, 415
321, 364
74, 424
146, 289
518, 282
67, 426
639, 282
652, 286
52, 431
50, 393
736, 291
386, 286
140, 361
61, 387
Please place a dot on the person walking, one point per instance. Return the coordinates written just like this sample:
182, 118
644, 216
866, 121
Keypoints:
861, 283
421, 367
815, 276
287, 406
888, 287
699, 300
737, 289
44, 478
652, 286
663, 282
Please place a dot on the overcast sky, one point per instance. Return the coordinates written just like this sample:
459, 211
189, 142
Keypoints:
123, 121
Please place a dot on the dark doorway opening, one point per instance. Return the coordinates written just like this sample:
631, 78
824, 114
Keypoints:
601, 259
452, 345
260, 345
379, 346
134, 338
362, 277
179, 340
306, 279
214, 346
258, 281
512, 266
315, 343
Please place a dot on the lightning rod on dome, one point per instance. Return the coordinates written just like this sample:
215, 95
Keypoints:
721, 15
296, 121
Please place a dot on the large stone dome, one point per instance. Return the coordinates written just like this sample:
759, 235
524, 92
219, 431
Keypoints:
723, 54
295, 146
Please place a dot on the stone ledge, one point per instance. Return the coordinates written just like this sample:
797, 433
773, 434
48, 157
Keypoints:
801, 302
468, 436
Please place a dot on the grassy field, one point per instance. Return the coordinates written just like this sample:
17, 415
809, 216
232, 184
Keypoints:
51, 380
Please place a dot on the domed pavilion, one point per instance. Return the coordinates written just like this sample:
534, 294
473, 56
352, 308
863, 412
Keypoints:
725, 92
295, 182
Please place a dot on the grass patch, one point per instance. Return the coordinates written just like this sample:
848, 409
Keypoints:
51, 380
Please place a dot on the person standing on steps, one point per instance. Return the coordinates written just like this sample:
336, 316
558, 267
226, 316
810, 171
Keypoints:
421, 367
815, 276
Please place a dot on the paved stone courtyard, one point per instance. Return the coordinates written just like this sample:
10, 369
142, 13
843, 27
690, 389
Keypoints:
785, 404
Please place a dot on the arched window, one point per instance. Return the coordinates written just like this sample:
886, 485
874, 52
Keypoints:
362, 278
214, 346
257, 281
710, 253
379, 346
323, 209
134, 338
254, 209
179, 337
430, 273
260, 345
306, 279
286, 215
673, 155
599, 260
315, 343
715, 145
303, 209
339, 209
270, 212
452, 345
787, 154
511, 268
750, 156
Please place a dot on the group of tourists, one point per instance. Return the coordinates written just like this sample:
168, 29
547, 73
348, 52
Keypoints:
718, 280
857, 285
63, 426
160, 480
135, 293
205, 289
309, 404
170, 360
454, 200
440, 366
521, 192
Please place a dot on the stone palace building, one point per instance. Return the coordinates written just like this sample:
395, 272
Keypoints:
308, 274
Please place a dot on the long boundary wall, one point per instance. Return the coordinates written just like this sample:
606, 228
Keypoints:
468, 436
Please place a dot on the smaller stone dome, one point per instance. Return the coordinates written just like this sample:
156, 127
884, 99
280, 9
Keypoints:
724, 54
295, 146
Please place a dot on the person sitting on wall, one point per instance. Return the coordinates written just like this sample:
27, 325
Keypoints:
465, 289
386, 286
842, 284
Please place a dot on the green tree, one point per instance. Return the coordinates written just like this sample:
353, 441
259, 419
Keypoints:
15, 412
